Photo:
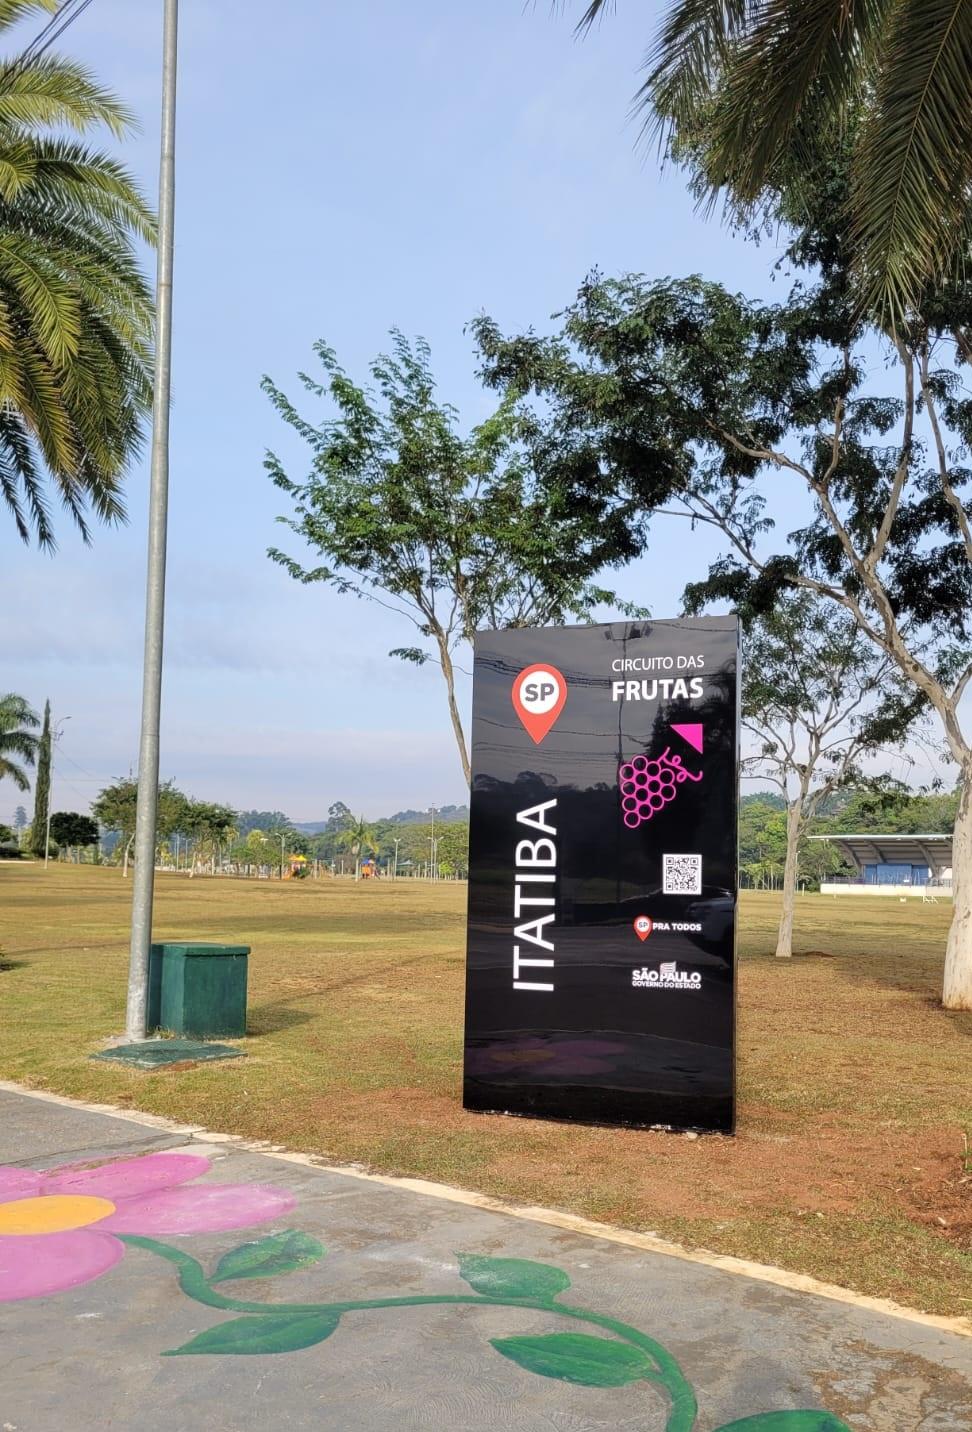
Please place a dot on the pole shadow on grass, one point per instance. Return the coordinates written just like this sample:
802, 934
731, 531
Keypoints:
267, 1019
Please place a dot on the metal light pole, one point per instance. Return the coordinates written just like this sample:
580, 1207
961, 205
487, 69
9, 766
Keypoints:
55, 737
395, 871
148, 748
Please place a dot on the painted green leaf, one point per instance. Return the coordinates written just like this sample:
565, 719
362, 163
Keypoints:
575, 1357
511, 1277
278, 1253
803, 1421
262, 1332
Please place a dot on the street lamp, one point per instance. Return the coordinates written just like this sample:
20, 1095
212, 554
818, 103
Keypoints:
395, 869
55, 737
148, 747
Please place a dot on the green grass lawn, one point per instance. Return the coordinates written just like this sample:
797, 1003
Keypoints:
855, 1088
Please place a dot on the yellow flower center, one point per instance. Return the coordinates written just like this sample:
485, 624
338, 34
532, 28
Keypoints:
53, 1213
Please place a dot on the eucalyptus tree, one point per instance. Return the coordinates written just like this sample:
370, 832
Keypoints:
747, 92
451, 532
76, 312
818, 699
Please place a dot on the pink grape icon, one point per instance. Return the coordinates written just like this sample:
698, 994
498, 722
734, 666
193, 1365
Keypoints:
647, 786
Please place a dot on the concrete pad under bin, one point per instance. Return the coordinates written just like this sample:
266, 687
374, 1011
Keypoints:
198, 989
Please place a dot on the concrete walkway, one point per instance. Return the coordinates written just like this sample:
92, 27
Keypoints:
95, 1258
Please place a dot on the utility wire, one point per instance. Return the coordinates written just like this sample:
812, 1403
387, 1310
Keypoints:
65, 16
70, 11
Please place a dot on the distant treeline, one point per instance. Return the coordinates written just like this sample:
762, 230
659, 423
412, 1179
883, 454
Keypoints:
762, 829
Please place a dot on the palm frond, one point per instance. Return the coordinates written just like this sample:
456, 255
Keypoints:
55, 93
913, 170
17, 722
76, 311
68, 172
798, 67
592, 13
13, 10
15, 711
19, 473
686, 59
49, 303
15, 773
18, 169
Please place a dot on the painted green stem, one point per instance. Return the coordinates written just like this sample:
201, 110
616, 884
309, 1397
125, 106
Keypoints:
194, 1283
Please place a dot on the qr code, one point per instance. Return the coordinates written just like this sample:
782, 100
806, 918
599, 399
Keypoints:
682, 875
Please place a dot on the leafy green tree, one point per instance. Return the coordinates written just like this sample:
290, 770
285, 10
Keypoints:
817, 699
702, 404
452, 848
325, 846
895, 811
42, 786
451, 532
72, 831
208, 825
7, 836
358, 836
749, 92
265, 849
20, 815
17, 724
762, 837
115, 805
76, 312
248, 820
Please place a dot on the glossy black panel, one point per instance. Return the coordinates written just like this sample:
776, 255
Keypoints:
638, 1027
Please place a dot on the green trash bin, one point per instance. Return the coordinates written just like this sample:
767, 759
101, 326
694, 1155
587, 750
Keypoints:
198, 989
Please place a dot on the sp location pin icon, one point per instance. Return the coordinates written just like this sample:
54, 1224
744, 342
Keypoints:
539, 694
643, 926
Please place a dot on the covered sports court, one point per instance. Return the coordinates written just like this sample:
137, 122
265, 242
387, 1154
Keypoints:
903, 865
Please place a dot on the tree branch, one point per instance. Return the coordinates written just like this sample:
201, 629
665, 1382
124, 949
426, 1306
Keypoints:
951, 496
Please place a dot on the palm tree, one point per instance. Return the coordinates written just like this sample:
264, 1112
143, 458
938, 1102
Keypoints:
358, 836
75, 310
16, 722
750, 90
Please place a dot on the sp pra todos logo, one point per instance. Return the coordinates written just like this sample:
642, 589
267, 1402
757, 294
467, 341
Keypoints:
539, 694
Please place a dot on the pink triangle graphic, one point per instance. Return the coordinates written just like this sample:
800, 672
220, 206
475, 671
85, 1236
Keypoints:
691, 733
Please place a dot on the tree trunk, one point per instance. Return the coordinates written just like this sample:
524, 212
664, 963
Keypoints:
450, 681
957, 986
784, 939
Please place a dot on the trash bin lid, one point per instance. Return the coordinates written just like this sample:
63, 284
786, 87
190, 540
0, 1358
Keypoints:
200, 947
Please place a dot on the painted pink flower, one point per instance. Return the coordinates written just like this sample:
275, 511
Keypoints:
57, 1228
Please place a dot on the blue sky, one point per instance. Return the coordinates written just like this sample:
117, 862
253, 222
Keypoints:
342, 169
